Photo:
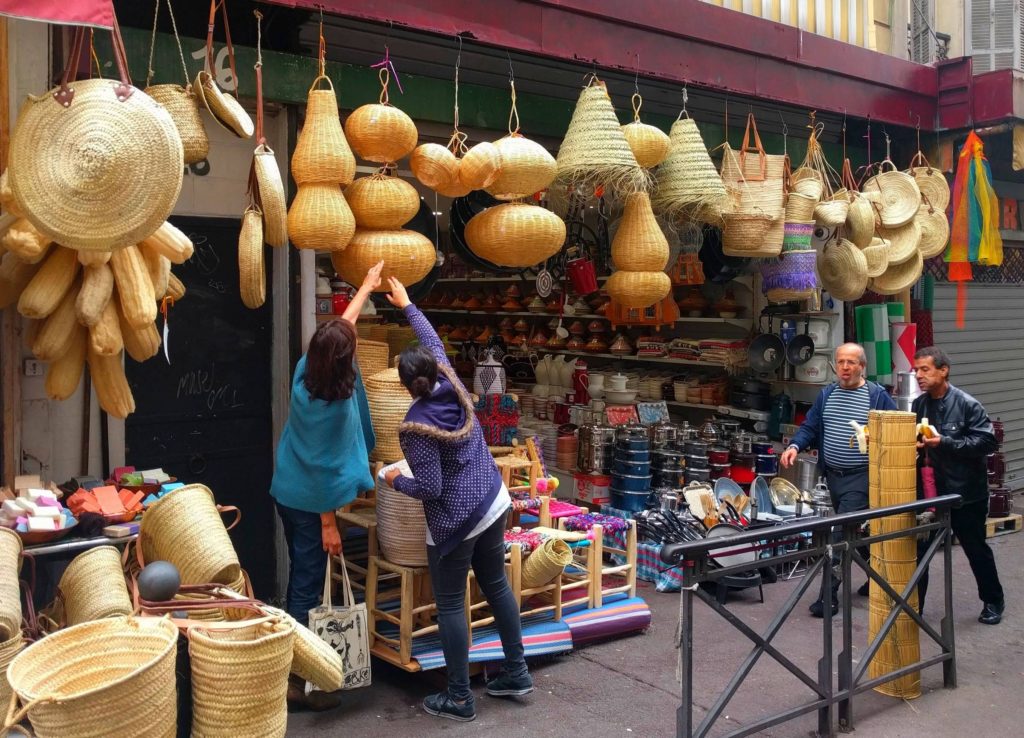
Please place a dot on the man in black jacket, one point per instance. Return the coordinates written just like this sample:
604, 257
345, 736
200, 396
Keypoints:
957, 453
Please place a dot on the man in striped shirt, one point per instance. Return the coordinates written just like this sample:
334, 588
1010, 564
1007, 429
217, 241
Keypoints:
827, 428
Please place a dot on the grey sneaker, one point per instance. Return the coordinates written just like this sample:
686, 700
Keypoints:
442, 705
508, 686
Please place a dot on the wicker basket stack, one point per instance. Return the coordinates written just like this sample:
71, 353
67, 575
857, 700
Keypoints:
389, 403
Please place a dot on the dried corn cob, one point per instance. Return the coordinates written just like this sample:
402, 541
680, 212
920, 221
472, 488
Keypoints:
49, 285
57, 331
23, 239
111, 384
140, 343
252, 274
134, 288
170, 242
105, 335
64, 373
159, 267
96, 292
175, 287
15, 274
93, 258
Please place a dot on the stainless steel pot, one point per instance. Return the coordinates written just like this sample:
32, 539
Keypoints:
663, 434
806, 474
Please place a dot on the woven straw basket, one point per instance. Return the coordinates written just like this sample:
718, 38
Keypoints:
877, 257
797, 236
748, 234
860, 222
898, 197
379, 333
480, 166
638, 289
252, 265
322, 154
8, 650
408, 256
933, 186
401, 524
398, 338
639, 244
224, 107
93, 587
74, 683
218, 612
515, 234
843, 270
903, 241
934, 231
526, 168
10, 594
372, 357
381, 132
389, 402
789, 277
240, 678
320, 218
134, 172
312, 658
800, 207
649, 143
831, 213
434, 165
546, 563
382, 202
687, 183
898, 277
184, 527
183, 106
809, 187
271, 189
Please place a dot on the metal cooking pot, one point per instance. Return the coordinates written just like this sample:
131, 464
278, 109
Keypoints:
696, 462
663, 434
631, 482
632, 456
632, 468
800, 350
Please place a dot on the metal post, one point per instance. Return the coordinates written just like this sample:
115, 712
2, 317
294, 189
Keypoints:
684, 715
822, 541
846, 654
948, 636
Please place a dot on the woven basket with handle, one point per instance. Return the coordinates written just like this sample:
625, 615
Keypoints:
546, 563
401, 524
10, 595
389, 402
93, 587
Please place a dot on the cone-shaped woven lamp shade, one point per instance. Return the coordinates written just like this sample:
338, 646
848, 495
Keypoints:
639, 244
688, 185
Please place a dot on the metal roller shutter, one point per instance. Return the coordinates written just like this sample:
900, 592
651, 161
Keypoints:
988, 358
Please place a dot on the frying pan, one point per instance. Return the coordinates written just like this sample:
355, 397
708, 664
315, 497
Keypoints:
800, 348
730, 556
767, 351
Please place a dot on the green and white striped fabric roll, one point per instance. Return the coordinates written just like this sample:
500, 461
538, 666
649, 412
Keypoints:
872, 324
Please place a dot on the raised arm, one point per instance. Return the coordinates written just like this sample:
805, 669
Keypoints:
421, 326
370, 282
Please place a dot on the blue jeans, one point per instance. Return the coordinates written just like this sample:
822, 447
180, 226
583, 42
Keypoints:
486, 554
307, 561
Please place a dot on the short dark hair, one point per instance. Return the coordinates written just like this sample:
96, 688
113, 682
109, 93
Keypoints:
330, 361
937, 355
417, 368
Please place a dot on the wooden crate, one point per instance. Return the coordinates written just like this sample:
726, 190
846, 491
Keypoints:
1003, 526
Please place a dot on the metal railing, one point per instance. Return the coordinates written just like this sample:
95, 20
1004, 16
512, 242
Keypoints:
830, 537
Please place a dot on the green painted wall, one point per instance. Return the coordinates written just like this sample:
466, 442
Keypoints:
286, 79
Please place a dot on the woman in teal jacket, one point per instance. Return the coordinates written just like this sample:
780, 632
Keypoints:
323, 456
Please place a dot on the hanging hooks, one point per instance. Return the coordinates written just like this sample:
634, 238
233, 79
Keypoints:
917, 128
511, 72
322, 54
785, 134
636, 75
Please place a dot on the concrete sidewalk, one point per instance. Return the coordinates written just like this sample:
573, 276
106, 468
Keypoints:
627, 687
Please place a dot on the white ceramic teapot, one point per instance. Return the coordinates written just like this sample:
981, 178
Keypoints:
543, 370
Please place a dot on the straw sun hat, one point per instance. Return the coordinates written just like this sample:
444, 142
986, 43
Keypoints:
99, 174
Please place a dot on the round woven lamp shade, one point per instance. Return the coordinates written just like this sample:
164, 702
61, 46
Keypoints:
322, 154
594, 151
899, 277
515, 234
453, 189
639, 244
320, 218
382, 202
480, 166
843, 270
903, 242
687, 182
434, 165
408, 256
648, 143
99, 174
638, 289
897, 195
381, 133
933, 185
934, 231
877, 257
526, 168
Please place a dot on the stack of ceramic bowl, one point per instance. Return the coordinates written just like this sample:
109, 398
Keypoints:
526, 405
720, 462
698, 468
548, 433
631, 471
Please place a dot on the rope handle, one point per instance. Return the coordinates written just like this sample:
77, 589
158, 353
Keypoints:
385, 77
260, 138
637, 101
177, 39
513, 112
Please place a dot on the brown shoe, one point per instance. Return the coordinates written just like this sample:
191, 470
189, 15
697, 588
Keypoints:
315, 701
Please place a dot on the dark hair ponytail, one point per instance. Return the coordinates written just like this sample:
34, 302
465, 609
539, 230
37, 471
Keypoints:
417, 368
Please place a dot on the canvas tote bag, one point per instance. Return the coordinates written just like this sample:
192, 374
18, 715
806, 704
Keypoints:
345, 628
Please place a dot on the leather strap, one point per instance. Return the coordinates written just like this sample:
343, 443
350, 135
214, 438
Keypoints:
757, 148
65, 95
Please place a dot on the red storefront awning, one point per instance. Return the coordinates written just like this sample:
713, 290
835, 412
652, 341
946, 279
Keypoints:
98, 13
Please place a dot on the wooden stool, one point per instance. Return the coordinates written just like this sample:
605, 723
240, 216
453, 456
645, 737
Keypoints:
416, 602
358, 514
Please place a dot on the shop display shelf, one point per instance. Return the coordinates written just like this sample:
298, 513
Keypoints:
744, 323
691, 405
512, 278
652, 359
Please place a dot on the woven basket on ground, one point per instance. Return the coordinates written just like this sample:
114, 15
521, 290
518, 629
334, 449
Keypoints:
526, 168
639, 244
379, 332
10, 594
372, 356
8, 650
898, 197
322, 154
515, 234
843, 270
218, 612
898, 277
271, 191
74, 682
183, 106
382, 202
389, 402
312, 658
408, 256
320, 218
934, 227
749, 235
240, 678
687, 183
648, 143
546, 563
185, 528
93, 587
401, 524
594, 152
638, 289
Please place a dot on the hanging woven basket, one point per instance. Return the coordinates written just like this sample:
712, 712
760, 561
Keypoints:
480, 166
648, 143
320, 218
800, 207
434, 165
322, 154
897, 197
903, 241
638, 289
183, 107
789, 277
381, 132
526, 168
831, 213
389, 401
382, 202
843, 270
860, 222
687, 183
877, 257
515, 234
408, 256
899, 277
639, 244
934, 228
271, 196
252, 263
747, 235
